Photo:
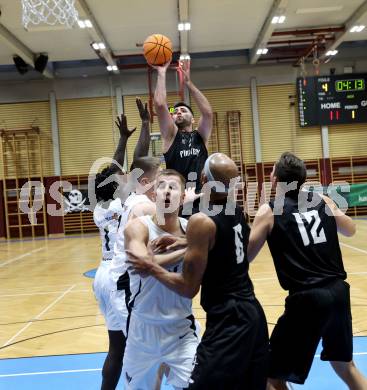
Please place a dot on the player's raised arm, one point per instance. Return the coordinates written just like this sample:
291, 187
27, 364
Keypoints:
345, 224
260, 229
206, 119
125, 133
167, 127
142, 147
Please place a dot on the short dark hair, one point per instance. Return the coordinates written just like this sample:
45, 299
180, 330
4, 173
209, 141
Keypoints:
290, 168
172, 172
183, 104
106, 191
147, 164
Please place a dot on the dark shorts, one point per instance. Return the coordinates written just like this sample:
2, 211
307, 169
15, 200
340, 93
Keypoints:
310, 316
233, 353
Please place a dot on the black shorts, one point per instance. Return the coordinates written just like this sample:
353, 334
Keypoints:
233, 353
311, 315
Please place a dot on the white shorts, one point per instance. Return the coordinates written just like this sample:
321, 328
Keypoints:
149, 345
111, 302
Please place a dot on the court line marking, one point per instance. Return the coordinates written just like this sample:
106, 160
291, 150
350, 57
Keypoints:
39, 315
99, 369
21, 256
50, 372
43, 293
354, 354
353, 247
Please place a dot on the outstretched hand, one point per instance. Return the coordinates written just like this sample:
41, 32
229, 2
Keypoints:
185, 70
143, 110
121, 123
168, 243
191, 195
162, 68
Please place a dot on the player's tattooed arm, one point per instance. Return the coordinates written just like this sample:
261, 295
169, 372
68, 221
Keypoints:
261, 227
206, 119
167, 127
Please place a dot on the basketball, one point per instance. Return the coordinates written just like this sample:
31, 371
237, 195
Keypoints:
157, 49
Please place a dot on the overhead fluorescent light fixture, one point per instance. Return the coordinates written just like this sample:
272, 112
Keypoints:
85, 23
278, 19
317, 10
184, 26
185, 57
262, 51
332, 53
98, 45
109, 68
357, 29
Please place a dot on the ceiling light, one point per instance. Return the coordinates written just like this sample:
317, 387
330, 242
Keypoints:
281, 19
357, 28
114, 67
98, 46
185, 57
109, 68
262, 51
317, 10
184, 26
332, 52
85, 23
278, 19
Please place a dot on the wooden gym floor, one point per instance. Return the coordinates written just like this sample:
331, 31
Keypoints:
48, 308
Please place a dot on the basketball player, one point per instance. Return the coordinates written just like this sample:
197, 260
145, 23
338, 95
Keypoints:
301, 230
234, 348
162, 328
106, 217
184, 148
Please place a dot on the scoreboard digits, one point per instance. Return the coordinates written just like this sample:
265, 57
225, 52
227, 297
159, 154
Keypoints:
328, 100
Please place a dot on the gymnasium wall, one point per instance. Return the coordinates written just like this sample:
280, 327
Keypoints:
18, 115
86, 114
86, 132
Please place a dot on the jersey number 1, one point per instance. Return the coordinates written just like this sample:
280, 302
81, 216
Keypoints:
317, 237
238, 240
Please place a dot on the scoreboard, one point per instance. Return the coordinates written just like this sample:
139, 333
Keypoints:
330, 100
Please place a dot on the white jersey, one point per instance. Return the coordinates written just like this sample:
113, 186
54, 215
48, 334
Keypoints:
150, 300
118, 265
107, 221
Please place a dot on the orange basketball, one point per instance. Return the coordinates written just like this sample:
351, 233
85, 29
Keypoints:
157, 49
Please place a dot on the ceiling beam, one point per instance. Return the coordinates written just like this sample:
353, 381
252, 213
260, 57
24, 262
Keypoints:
267, 29
20, 49
183, 16
97, 35
340, 37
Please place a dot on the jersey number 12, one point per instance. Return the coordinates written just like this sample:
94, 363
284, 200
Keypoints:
310, 216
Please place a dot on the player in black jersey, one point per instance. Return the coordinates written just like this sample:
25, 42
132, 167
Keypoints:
184, 148
233, 352
301, 230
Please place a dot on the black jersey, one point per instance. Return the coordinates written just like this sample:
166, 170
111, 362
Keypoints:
187, 154
304, 244
226, 275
